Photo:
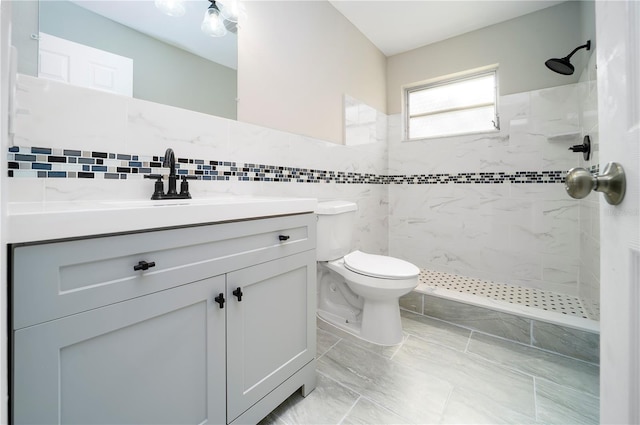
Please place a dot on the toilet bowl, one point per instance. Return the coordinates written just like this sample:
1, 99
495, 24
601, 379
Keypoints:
358, 292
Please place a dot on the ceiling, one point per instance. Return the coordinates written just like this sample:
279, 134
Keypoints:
394, 26
397, 26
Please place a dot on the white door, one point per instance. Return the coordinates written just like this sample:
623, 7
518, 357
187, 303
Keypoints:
80, 65
618, 59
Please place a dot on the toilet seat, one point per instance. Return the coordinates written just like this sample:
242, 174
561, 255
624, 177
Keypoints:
380, 266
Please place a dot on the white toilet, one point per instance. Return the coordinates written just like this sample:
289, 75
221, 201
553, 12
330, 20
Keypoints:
358, 292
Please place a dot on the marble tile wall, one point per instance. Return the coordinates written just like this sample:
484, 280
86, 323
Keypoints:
94, 121
363, 124
498, 227
524, 234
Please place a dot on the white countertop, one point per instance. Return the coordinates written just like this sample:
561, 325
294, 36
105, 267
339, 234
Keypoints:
35, 221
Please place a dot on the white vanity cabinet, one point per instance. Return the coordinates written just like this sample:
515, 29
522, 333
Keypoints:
216, 325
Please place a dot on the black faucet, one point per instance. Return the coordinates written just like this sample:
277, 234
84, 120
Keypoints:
170, 162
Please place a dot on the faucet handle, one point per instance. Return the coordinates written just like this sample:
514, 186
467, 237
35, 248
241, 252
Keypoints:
158, 191
184, 185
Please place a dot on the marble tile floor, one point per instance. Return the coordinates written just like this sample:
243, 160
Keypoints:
442, 374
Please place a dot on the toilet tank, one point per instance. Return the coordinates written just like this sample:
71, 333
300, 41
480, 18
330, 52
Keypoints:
336, 221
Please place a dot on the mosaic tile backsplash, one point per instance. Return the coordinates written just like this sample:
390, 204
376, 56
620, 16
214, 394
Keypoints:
37, 162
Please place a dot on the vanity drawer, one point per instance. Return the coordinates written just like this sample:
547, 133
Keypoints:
53, 280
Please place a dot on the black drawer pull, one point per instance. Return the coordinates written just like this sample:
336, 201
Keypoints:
283, 237
220, 300
143, 265
238, 293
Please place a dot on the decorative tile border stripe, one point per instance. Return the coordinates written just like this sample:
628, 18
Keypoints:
483, 178
34, 162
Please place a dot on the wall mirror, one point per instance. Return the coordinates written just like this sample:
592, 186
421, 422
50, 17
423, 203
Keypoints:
174, 62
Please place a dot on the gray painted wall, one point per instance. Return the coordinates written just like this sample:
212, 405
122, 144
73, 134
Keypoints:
161, 73
519, 46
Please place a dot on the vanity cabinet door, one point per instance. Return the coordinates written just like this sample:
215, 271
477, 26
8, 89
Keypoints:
271, 329
157, 359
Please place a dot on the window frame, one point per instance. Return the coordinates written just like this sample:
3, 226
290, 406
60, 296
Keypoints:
447, 80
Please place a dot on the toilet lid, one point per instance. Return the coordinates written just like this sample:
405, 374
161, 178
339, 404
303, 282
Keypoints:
380, 266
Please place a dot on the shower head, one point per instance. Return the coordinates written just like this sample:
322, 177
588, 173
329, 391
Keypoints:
563, 65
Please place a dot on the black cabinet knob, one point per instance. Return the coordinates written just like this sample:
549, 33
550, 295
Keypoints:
143, 265
238, 293
220, 300
283, 237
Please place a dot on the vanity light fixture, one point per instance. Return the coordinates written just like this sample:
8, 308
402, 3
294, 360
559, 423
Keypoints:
173, 8
220, 17
213, 22
563, 66
232, 10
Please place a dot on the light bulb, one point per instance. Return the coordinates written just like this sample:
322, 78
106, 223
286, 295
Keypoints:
231, 10
171, 7
212, 24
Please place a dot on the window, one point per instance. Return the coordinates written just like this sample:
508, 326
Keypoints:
456, 106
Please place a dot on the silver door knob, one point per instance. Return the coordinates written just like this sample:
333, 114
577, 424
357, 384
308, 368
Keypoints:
612, 183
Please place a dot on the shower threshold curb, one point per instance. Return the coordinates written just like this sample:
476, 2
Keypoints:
560, 319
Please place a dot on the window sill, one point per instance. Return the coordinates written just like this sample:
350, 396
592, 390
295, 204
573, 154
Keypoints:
449, 136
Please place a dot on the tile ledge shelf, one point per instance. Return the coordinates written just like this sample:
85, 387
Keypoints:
569, 136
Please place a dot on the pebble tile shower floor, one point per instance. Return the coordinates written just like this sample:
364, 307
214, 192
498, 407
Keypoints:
529, 297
